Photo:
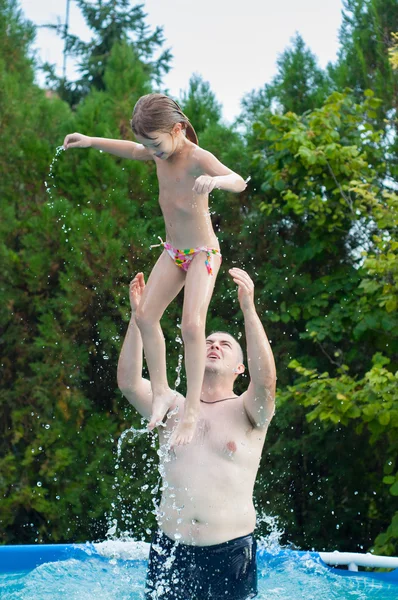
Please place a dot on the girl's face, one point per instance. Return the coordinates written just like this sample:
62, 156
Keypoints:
162, 144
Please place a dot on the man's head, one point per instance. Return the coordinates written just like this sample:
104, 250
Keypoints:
224, 354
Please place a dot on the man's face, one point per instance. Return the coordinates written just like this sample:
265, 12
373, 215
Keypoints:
222, 353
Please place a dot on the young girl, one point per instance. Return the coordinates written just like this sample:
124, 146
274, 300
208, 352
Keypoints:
191, 253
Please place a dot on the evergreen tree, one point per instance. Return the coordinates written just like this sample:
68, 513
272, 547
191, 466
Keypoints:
365, 40
298, 86
111, 22
67, 254
199, 103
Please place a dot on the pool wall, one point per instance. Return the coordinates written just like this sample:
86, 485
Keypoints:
26, 557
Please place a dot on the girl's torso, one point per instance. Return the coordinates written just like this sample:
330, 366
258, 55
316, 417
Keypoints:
186, 214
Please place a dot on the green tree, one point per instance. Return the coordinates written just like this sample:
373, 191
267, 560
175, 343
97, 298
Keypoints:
299, 85
323, 201
363, 63
365, 40
393, 51
200, 104
111, 22
369, 401
67, 253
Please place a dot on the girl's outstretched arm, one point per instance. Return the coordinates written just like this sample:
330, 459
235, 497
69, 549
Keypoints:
122, 148
216, 175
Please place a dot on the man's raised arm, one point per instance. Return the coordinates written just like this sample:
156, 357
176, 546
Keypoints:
259, 399
133, 386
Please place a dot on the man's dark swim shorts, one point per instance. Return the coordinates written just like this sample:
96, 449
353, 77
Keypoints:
225, 571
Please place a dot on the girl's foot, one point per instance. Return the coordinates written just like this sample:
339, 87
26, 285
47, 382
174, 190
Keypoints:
160, 405
185, 430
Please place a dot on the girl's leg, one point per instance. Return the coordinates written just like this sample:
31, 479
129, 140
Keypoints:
199, 287
164, 283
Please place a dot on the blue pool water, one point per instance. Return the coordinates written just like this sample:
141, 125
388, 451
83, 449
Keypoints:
116, 570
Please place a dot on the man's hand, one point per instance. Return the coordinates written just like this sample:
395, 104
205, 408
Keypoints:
245, 288
77, 140
137, 286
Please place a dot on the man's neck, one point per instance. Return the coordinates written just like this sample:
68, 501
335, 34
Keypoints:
215, 388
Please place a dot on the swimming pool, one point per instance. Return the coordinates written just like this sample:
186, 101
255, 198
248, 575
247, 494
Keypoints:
116, 570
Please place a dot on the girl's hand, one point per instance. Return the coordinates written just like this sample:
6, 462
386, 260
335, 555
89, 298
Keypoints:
204, 184
137, 286
77, 140
245, 288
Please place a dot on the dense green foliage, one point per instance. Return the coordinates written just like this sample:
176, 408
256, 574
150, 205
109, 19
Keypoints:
366, 36
316, 229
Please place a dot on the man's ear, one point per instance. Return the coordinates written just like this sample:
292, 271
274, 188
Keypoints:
240, 369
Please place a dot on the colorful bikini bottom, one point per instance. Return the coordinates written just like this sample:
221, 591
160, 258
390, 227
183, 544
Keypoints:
183, 258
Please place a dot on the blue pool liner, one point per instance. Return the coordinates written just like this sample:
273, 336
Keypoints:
19, 558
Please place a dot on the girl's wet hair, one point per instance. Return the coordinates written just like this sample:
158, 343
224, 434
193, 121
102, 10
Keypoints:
158, 112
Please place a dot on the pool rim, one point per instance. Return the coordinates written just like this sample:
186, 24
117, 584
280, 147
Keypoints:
26, 557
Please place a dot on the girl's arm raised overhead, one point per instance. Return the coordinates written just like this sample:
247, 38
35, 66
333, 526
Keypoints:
122, 148
216, 175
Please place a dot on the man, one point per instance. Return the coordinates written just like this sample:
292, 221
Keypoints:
204, 547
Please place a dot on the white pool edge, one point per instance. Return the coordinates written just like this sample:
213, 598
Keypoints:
355, 559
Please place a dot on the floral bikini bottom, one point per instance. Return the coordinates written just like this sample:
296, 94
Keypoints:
183, 258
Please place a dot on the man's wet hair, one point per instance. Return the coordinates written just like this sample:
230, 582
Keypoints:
241, 355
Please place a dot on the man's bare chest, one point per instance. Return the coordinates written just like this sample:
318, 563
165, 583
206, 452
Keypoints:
214, 441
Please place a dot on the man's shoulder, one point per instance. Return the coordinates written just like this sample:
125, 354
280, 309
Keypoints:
268, 404
235, 407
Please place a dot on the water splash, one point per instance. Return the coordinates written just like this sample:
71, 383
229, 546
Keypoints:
271, 542
180, 357
135, 434
178, 371
50, 185
112, 522
111, 571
